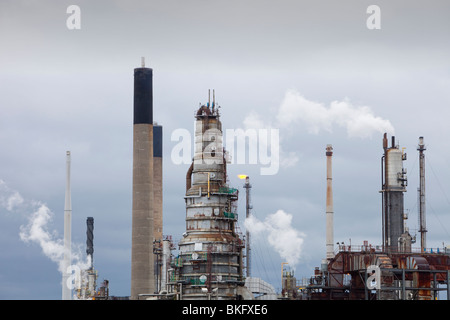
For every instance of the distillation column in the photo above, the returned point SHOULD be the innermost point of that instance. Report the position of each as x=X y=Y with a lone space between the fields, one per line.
x=393 y=186
x=210 y=252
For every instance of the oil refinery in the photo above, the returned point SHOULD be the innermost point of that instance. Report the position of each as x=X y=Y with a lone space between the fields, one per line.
x=213 y=258
x=394 y=269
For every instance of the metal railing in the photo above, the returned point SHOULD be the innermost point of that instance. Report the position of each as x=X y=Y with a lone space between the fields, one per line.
x=379 y=249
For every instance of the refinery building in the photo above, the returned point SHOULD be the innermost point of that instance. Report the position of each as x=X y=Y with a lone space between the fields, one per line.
x=212 y=261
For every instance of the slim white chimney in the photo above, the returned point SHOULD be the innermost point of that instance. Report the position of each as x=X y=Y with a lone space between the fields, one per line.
x=329 y=208
x=66 y=289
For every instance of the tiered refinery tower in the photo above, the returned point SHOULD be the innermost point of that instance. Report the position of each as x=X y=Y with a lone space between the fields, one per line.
x=210 y=252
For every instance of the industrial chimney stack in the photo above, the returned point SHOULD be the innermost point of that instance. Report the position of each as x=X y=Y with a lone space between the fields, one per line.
x=142 y=258
x=423 y=225
x=248 y=207
x=90 y=240
x=66 y=291
x=329 y=207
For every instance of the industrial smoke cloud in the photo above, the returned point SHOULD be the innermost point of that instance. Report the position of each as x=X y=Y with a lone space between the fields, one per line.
x=359 y=121
x=9 y=199
x=36 y=231
x=295 y=111
x=53 y=247
x=37 y=228
x=285 y=239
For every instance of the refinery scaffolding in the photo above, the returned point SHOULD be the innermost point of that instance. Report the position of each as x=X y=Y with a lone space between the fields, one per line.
x=210 y=261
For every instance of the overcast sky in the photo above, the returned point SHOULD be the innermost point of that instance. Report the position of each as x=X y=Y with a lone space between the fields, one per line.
x=311 y=69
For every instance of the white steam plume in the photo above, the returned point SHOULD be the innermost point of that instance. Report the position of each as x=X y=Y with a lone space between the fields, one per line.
x=36 y=231
x=52 y=247
x=284 y=238
x=37 y=228
x=295 y=111
x=358 y=120
x=9 y=199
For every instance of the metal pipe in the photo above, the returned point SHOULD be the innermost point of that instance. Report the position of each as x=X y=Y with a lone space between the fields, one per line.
x=189 y=177
x=366 y=291
x=423 y=228
x=329 y=205
x=403 y=284
x=434 y=287
x=385 y=143
x=90 y=240
x=248 y=186
x=448 y=284
x=383 y=205
x=165 y=261
x=66 y=291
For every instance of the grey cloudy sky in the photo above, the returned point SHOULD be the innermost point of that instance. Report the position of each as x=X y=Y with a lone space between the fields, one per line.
x=64 y=89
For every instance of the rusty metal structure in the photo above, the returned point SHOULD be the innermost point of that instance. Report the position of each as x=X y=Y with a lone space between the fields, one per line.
x=402 y=276
x=210 y=260
x=391 y=271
